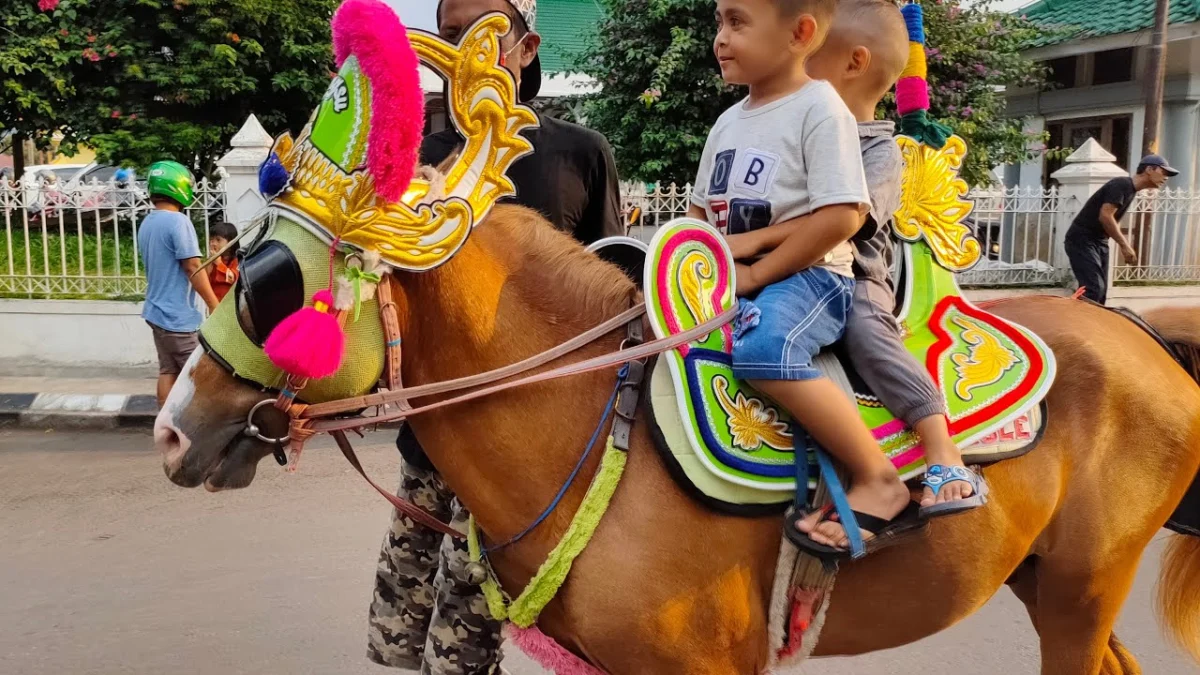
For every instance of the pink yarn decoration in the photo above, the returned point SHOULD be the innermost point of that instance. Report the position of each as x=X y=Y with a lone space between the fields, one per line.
x=912 y=94
x=547 y=653
x=310 y=343
x=371 y=31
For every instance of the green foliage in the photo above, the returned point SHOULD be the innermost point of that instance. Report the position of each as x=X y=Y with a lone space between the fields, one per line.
x=662 y=90
x=143 y=80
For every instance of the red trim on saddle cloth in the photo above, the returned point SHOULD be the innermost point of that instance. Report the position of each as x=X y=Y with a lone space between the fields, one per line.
x=945 y=341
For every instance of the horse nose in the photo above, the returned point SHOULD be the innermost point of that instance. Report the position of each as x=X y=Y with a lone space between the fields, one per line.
x=170 y=441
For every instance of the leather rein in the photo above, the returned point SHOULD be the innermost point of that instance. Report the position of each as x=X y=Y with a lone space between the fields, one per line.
x=307 y=420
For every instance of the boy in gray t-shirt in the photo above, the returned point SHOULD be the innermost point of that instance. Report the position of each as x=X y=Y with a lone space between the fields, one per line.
x=872 y=336
x=788 y=155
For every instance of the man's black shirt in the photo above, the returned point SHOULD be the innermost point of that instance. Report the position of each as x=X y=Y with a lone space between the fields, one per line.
x=1119 y=192
x=571 y=177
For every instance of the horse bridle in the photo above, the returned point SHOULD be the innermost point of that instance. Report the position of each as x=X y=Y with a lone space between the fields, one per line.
x=306 y=421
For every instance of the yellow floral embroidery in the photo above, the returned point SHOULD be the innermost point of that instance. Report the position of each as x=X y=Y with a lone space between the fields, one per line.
x=987 y=363
x=752 y=422
x=932 y=205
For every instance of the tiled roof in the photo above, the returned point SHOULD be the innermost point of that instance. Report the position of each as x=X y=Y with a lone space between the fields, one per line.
x=1075 y=19
x=564 y=26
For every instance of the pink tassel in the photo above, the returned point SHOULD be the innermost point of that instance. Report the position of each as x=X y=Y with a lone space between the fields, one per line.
x=371 y=31
x=309 y=343
x=547 y=653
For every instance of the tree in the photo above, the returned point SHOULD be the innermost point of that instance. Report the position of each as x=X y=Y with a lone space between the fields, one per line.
x=662 y=92
x=143 y=80
x=39 y=55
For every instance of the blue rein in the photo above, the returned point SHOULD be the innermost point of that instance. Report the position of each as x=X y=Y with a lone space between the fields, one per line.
x=608 y=408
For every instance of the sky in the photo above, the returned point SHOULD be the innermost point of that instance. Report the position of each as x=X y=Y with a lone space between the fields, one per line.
x=420 y=13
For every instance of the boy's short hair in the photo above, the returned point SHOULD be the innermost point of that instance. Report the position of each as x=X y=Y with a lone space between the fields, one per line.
x=225 y=231
x=822 y=10
x=879 y=26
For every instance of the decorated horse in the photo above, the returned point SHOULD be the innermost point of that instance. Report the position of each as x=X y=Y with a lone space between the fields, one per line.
x=627 y=489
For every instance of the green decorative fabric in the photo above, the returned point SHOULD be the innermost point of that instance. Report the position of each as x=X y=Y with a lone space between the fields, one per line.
x=918 y=125
x=363 y=363
x=524 y=611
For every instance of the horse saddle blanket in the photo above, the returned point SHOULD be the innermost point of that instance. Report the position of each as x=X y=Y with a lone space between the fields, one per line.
x=732 y=448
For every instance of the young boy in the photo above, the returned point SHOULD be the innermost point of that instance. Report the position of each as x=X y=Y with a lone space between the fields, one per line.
x=863 y=56
x=171 y=253
x=224 y=272
x=789 y=151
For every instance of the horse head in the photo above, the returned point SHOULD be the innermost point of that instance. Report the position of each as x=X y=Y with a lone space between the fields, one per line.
x=349 y=210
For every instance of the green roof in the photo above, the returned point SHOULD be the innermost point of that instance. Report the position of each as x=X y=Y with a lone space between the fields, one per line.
x=565 y=26
x=1078 y=19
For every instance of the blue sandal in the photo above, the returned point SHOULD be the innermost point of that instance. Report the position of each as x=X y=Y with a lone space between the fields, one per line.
x=939 y=476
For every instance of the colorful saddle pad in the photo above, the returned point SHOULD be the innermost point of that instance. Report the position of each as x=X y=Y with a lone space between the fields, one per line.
x=735 y=446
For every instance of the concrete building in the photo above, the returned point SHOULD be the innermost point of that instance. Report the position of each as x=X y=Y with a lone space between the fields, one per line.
x=1097 y=55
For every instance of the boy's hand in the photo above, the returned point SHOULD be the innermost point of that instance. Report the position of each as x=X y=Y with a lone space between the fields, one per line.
x=742 y=246
x=747 y=280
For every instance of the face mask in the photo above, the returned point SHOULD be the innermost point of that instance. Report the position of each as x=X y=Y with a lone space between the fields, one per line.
x=504 y=56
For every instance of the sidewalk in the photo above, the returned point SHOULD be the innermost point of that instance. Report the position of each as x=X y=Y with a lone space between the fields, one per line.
x=77 y=402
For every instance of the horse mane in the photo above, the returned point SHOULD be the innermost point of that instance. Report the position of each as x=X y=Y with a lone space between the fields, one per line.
x=554 y=269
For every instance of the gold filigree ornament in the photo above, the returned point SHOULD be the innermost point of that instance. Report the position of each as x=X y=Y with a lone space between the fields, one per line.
x=932 y=204
x=330 y=184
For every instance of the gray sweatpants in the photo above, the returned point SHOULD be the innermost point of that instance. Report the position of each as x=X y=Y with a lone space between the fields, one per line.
x=877 y=352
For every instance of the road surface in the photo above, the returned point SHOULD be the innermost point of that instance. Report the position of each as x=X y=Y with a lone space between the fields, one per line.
x=106 y=569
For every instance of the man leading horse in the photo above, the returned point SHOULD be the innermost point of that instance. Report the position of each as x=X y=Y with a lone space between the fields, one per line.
x=423 y=614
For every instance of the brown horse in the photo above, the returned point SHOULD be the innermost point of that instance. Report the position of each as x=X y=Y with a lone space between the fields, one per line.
x=667 y=586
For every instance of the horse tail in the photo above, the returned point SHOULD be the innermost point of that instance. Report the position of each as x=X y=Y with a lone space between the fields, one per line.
x=1179 y=580
x=1178 y=584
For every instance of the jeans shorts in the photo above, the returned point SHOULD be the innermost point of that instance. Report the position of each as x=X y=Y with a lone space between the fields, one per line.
x=780 y=332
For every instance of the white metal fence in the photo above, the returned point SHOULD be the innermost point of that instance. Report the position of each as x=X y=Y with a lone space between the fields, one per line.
x=1017 y=229
x=1021 y=232
x=1164 y=229
x=80 y=239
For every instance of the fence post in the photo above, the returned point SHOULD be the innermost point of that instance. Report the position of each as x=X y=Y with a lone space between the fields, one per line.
x=1085 y=172
x=250 y=147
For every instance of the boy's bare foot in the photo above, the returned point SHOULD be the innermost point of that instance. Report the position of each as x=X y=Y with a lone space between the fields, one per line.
x=884 y=498
x=940 y=449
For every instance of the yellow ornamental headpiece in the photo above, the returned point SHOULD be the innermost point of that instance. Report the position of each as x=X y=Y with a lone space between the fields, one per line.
x=353 y=171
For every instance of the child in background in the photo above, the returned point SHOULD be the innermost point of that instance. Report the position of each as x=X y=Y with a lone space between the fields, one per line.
x=224 y=272
x=862 y=58
x=783 y=170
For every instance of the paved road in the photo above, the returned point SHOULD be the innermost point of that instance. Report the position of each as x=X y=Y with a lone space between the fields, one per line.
x=106 y=568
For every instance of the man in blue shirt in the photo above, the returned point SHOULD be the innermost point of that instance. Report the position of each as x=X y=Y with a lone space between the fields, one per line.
x=171 y=253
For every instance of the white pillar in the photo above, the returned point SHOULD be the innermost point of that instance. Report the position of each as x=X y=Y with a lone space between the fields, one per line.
x=250 y=147
x=1085 y=172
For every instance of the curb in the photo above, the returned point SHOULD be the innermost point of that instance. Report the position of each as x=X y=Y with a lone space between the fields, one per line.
x=78 y=411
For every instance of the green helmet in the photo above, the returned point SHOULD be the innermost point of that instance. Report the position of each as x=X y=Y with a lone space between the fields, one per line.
x=171 y=180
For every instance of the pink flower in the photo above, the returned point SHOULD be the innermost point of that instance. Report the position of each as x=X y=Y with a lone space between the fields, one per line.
x=133 y=116
x=91 y=39
x=64 y=32
x=116 y=114
x=91 y=54
x=47 y=5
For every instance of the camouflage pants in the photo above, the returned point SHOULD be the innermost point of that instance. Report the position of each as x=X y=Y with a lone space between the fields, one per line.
x=423 y=616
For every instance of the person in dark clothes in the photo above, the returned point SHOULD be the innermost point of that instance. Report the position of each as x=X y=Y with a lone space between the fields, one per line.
x=1099 y=220
x=424 y=614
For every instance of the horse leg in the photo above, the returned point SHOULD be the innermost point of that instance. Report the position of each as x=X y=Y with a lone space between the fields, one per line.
x=1024 y=584
x=1075 y=613
x=1118 y=660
